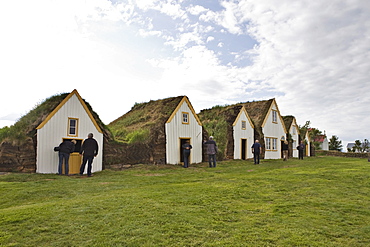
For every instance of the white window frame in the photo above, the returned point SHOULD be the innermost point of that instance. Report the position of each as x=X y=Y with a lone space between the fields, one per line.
x=274 y=116
x=75 y=128
x=244 y=125
x=271 y=144
x=185 y=117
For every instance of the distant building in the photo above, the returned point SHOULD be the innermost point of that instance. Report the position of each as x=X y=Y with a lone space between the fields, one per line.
x=323 y=141
x=350 y=146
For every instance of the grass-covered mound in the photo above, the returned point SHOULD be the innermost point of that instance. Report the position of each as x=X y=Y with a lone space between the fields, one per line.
x=144 y=121
x=218 y=121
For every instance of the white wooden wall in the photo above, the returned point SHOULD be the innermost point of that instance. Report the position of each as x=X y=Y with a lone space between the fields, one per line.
x=274 y=130
x=176 y=130
x=240 y=134
x=53 y=132
x=294 y=132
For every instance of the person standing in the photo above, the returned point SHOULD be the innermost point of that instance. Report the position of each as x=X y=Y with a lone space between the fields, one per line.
x=186 y=152
x=211 y=151
x=65 y=149
x=256 y=150
x=89 y=150
x=285 y=150
x=300 y=150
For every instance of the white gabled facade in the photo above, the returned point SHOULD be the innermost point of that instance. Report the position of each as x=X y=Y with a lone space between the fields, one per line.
x=56 y=127
x=243 y=131
x=274 y=132
x=308 y=144
x=183 y=124
x=294 y=133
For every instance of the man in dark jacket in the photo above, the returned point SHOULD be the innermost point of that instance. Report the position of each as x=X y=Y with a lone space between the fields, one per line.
x=256 y=150
x=300 y=148
x=186 y=152
x=65 y=149
x=89 y=150
x=211 y=151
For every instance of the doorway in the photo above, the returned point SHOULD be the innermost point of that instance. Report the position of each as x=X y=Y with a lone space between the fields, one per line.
x=182 y=142
x=281 y=149
x=244 y=149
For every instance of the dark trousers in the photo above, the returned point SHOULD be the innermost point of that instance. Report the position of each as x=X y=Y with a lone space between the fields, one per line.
x=65 y=157
x=89 y=159
x=300 y=154
x=186 y=158
x=256 y=157
x=212 y=159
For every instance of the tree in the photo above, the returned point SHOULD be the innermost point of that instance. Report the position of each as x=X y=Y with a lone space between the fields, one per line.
x=361 y=146
x=335 y=143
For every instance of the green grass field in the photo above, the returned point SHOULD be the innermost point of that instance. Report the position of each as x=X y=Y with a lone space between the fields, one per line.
x=321 y=201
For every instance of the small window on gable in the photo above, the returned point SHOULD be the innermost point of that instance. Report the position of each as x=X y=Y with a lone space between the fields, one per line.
x=274 y=116
x=185 y=118
x=244 y=125
x=72 y=126
x=294 y=129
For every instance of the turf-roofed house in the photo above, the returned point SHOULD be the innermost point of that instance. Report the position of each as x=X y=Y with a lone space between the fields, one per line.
x=269 y=127
x=232 y=130
x=154 y=132
x=292 y=135
x=28 y=145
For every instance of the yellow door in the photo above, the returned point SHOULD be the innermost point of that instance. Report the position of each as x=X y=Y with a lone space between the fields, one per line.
x=74 y=163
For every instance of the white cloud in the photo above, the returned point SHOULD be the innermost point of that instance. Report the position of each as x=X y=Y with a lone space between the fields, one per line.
x=196 y=10
x=313 y=56
x=210 y=38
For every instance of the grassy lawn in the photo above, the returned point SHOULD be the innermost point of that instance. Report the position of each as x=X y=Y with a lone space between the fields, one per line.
x=321 y=201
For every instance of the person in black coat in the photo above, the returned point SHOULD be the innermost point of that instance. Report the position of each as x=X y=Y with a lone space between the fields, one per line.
x=300 y=148
x=186 y=151
x=256 y=150
x=65 y=149
x=89 y=150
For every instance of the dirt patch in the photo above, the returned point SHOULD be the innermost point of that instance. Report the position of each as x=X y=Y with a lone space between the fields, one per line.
x=103 y=183
x=151 y=175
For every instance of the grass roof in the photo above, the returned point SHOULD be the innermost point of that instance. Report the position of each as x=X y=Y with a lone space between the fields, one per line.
x=217 y=122
x=140 y=123
x=25 y=127
x=288 y=120
x=257 y=110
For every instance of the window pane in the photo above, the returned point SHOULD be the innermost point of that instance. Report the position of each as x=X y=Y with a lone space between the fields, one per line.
x=185 y=118
x=72 y=127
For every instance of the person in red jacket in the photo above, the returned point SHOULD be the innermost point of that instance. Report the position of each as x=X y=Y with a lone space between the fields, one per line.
x=89 y=150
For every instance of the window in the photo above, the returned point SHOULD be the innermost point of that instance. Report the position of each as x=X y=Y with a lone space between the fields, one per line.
x=268 y=143
x=185 y=118
x=72 y=126
x=274 y=144
x=244 y=125
x=271 y=144
x=294 y=129
x=274 y=116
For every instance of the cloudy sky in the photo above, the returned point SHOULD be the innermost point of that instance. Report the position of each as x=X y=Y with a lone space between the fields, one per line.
x=313 y=56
